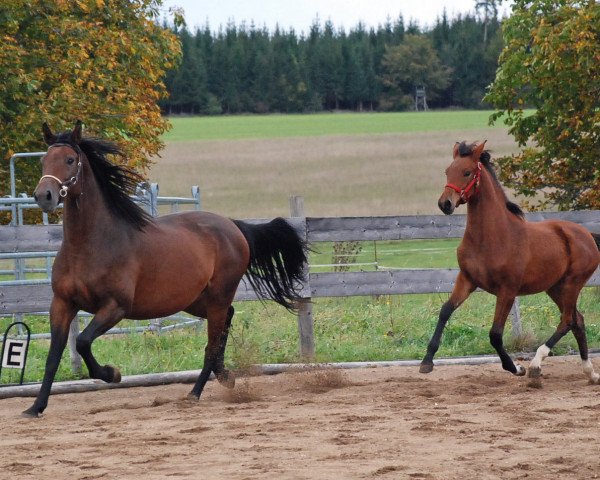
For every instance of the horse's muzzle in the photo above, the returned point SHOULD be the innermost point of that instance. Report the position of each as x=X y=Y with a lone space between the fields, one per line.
x=46 y=198
x=446 y=206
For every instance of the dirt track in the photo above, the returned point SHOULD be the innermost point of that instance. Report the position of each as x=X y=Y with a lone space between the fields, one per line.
x=459 y=422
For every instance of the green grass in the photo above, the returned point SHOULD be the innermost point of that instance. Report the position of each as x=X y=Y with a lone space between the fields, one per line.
x=346 y=329
x=306 y=125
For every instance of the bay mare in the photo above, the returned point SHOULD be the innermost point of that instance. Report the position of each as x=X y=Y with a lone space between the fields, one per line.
x=116 y=261
x=507 y=256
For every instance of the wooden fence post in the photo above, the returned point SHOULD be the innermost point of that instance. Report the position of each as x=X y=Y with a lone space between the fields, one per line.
x=305 y=318
x=515 y=321
x=75 y=357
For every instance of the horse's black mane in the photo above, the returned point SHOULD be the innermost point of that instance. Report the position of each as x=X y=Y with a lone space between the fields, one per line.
x=116 y=182
x=485 y=158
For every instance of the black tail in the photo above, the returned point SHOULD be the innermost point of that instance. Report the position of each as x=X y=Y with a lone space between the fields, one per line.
x=597 y=239
x=277 y=259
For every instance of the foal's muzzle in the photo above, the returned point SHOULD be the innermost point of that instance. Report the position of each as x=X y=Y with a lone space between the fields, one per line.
x=446 y=206
x=448 y=201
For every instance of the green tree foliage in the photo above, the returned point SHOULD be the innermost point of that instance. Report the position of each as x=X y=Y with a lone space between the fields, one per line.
x=551 y=62
x=248 y=69
x=101 y=61
x=413 y=63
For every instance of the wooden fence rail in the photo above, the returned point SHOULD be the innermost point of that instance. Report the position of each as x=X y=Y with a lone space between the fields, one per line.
x=36 y=298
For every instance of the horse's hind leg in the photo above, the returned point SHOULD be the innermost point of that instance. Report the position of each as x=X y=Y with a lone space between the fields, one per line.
x=566 y=302
x=218 y=318
x=578 y=329
x=224 y=376
x=104 y=320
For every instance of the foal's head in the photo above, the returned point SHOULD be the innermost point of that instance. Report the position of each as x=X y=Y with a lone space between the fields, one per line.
x=61 y=168
x=462 y=176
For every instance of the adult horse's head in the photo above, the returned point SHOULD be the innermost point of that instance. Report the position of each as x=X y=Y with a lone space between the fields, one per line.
x=61 y=168
x=462 y=176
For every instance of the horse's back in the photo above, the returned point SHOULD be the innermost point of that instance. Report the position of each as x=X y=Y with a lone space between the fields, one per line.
x=571 y=237
x=564 y=247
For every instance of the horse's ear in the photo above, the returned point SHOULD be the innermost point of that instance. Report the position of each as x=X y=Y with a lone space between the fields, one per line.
x=49 y=137
x=478 y=151
x=76 y=133
x=455 y=150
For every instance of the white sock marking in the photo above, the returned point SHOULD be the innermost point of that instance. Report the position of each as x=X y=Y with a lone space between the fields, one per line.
x=542 y=352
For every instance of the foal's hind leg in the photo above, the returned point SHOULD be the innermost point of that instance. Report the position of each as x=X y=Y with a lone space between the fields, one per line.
x=578 y=329
x=566 y=300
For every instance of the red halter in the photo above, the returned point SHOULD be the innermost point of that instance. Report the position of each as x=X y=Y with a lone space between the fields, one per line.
x=474 y=183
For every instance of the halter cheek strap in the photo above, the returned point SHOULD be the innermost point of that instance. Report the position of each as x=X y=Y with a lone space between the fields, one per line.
x=64 y=185
x=473 y=184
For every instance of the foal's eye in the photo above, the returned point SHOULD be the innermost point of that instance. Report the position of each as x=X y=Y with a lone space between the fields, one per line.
x=467 y=174
x=70 y=161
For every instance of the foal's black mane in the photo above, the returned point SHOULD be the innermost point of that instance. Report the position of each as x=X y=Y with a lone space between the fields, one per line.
x=465 y=150
x=116 y=182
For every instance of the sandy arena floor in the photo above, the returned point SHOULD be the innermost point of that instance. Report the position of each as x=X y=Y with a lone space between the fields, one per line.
x=460 y=422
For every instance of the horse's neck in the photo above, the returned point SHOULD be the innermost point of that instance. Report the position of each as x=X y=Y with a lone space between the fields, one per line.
x=87 y=218
x=487 y=215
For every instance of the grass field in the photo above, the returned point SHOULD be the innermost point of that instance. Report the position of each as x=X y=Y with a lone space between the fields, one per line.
x=343 y=164
x=236 y=127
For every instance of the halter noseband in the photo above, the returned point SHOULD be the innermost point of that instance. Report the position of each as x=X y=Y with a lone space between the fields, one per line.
x=64 y=185
x=474 y=183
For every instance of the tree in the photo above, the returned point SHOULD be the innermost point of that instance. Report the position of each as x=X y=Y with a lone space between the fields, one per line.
x=490 y=11
x=551 y=62
x=411 y=64
x=101 y=61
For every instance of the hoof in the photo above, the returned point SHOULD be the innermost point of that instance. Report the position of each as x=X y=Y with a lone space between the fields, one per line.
x=31 y=412
x=193 y=397
x=426 y=368
x=116 y=374
x=534 y=372
x=594 y=380
x=520 y=371
x=227 y=379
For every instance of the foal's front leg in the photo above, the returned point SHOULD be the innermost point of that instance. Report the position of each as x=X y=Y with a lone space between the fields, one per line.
x=463 y=287
x=504 y=303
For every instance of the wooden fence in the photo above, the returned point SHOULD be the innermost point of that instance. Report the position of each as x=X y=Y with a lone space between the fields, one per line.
x=27 y=298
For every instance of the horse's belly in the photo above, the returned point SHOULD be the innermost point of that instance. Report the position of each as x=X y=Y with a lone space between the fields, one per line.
x=522 y=281
x=163 y=295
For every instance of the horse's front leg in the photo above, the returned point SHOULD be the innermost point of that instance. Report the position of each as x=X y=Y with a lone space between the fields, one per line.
x=463 y=287
x=106 y=318
x=504 y=303
x=61 y=316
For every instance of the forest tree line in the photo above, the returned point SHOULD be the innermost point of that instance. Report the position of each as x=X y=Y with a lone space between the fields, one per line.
x=242 y=68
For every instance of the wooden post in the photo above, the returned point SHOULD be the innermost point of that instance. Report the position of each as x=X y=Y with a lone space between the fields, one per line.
x=305 y=318
x=75 y=357
x=515 y=314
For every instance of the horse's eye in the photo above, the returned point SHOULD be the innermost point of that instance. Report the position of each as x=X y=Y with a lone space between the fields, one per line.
x=70 y=161
x=467 y=174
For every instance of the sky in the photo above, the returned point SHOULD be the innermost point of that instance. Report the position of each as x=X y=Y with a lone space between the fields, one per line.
x=300 y=14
